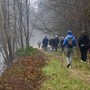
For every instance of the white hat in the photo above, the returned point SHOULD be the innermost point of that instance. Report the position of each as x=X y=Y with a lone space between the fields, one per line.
x=56 y=36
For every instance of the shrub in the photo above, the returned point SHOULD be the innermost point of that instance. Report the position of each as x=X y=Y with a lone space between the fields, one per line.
x=28 y=50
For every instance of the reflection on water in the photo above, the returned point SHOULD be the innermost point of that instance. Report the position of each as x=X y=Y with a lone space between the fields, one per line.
x=36 y=36
x=1 y=64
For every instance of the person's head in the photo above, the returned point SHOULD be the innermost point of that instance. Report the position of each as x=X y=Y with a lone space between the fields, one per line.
x=69 y=32
x=45 y=36
x=83 y=32
x=51 y=37
x=62 y=37
x=56 y=36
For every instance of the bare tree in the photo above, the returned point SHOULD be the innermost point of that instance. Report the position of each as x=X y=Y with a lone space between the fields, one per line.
x=18 y=19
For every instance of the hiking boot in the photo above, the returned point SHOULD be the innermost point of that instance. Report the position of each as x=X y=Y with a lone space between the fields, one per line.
x=84 y=61
x=81 y=60
x=68 y=65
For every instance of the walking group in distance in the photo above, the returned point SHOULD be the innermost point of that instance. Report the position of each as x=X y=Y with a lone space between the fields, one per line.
x=68 y=44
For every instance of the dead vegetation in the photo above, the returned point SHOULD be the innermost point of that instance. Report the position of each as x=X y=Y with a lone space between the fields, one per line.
x=25 y=73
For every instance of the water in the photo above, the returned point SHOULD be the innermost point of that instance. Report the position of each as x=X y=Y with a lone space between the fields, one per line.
x=1 y=64
x=36 y=36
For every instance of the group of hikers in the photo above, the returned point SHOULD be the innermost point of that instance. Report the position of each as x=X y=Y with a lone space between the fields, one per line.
x=68 y=43
x=53 y=42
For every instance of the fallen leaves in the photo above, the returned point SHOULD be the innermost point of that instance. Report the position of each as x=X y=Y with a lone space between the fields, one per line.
x=25 y=73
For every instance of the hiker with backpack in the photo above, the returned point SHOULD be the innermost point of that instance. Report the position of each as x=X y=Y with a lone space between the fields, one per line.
x=83 y=43
x=69 y=43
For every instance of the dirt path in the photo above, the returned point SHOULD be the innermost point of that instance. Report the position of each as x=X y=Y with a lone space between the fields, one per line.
x=83 y=75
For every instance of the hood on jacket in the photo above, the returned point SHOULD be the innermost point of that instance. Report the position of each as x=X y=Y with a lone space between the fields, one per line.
x=69 y=32
x=70 y=35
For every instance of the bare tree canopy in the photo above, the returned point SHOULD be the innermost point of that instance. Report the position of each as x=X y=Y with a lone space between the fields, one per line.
x=18 y=19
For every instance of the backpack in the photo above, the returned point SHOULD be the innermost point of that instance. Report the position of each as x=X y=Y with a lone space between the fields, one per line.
x=70 y=42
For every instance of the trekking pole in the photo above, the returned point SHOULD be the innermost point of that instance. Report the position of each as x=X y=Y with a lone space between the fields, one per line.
x=62 y=57
x=75 y=56
x=89 y=56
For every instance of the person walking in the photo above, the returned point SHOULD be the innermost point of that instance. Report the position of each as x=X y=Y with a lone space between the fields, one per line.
x=55 y=43
x=83 y=42
x=69 y=43
x=61 y=43
x=51 y=43
x=39 y=44
x=45 y=43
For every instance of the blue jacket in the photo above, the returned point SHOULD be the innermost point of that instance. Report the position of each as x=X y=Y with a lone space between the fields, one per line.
x=70 y=35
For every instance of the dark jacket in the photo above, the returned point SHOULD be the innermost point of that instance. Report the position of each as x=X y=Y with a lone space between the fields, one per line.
x=51 y=42
x=56 y=41
x=62 y=42
x=45 y=41
x=83 y=41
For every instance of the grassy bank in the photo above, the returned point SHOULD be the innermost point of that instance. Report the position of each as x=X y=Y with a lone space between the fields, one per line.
x=59 y=77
